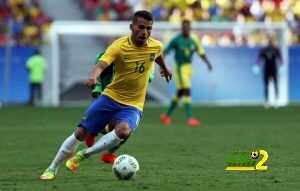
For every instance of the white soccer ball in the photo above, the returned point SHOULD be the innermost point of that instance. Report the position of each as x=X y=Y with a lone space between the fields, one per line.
x=125 y=167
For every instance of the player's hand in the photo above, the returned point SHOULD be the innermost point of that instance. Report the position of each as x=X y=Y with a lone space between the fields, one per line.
x=91 y=82
x=97 y=90
x=95 y=94
x=209 y=67
x=165 y=72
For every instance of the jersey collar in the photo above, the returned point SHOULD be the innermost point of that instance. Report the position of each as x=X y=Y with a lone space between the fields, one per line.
x=131 y=43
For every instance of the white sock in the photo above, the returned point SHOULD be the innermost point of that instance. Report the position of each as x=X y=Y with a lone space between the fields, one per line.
x=68 y=147
x=105 y=142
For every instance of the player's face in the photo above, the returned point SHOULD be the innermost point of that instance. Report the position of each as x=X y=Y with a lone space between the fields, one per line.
x=186 y=28
x=141 y=31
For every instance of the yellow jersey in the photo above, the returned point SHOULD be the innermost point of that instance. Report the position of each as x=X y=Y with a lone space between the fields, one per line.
x=132 y=68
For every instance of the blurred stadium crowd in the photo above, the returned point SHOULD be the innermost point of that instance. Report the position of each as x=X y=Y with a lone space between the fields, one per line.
x=240 y=11
x=26 y=19
x=30 y=21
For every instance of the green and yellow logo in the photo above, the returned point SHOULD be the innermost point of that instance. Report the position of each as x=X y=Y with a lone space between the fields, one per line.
x=247 y=161
x=152 y=57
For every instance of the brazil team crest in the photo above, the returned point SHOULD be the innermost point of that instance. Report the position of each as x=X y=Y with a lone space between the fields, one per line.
x=152 y=57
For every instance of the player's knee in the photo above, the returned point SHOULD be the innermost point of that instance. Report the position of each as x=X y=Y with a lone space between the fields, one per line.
x=186 y=92
x=180 y=93
x=80 y=133
x=123 y=130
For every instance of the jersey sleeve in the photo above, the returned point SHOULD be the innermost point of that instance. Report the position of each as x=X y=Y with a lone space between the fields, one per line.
x=111 y=53
x=199 y=48
x=160 y=50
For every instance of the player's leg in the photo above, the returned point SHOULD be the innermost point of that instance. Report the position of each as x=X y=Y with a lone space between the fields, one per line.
x=39 y=93
x=106 y=142
x=31 y=99
x=186 y=73
x=274 y=76
x=166 y=117
x=90 y=139
x=35 y=94
x=266 y=87
x=109 y=156
x=126 y=119
x=187 y=103
x=65 y=151
x=110 y=140
x=174 y=102
x=90 y=123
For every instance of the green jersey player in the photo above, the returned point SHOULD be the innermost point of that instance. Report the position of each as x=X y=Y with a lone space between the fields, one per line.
x=184 y=46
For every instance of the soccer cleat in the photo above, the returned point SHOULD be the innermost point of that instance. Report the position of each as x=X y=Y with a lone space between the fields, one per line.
x=165 y=119
x=193 y=122
x=73 y=163
x=108 y=158
x=48 y=174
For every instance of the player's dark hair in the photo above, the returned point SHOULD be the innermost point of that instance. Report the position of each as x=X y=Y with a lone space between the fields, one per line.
x=186 y=21
x=142 y=14
x=36 y=52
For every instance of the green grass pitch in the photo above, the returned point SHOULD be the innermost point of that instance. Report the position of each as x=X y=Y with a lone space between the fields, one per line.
x=171 y=158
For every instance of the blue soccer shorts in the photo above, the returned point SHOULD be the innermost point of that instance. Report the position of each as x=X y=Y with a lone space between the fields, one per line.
x=105 y=110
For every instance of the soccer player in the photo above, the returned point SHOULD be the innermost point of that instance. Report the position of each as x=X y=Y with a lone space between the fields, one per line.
x=36 y=66
x=121 y=103
x=103 y=80
x=184 y=46
x=270 y=56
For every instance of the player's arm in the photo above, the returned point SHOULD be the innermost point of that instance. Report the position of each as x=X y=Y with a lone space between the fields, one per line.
x=201 y=52
x=106 y=59
x=97 y=90
x=96 y=71
x=279 y=57
x=206 y=61
x=164 y=71
x=260 y=56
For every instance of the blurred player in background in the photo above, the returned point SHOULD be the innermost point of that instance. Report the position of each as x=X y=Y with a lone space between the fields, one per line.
x=184 y=45
x=270 y=57
x=36 y=65
x=121 y=103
